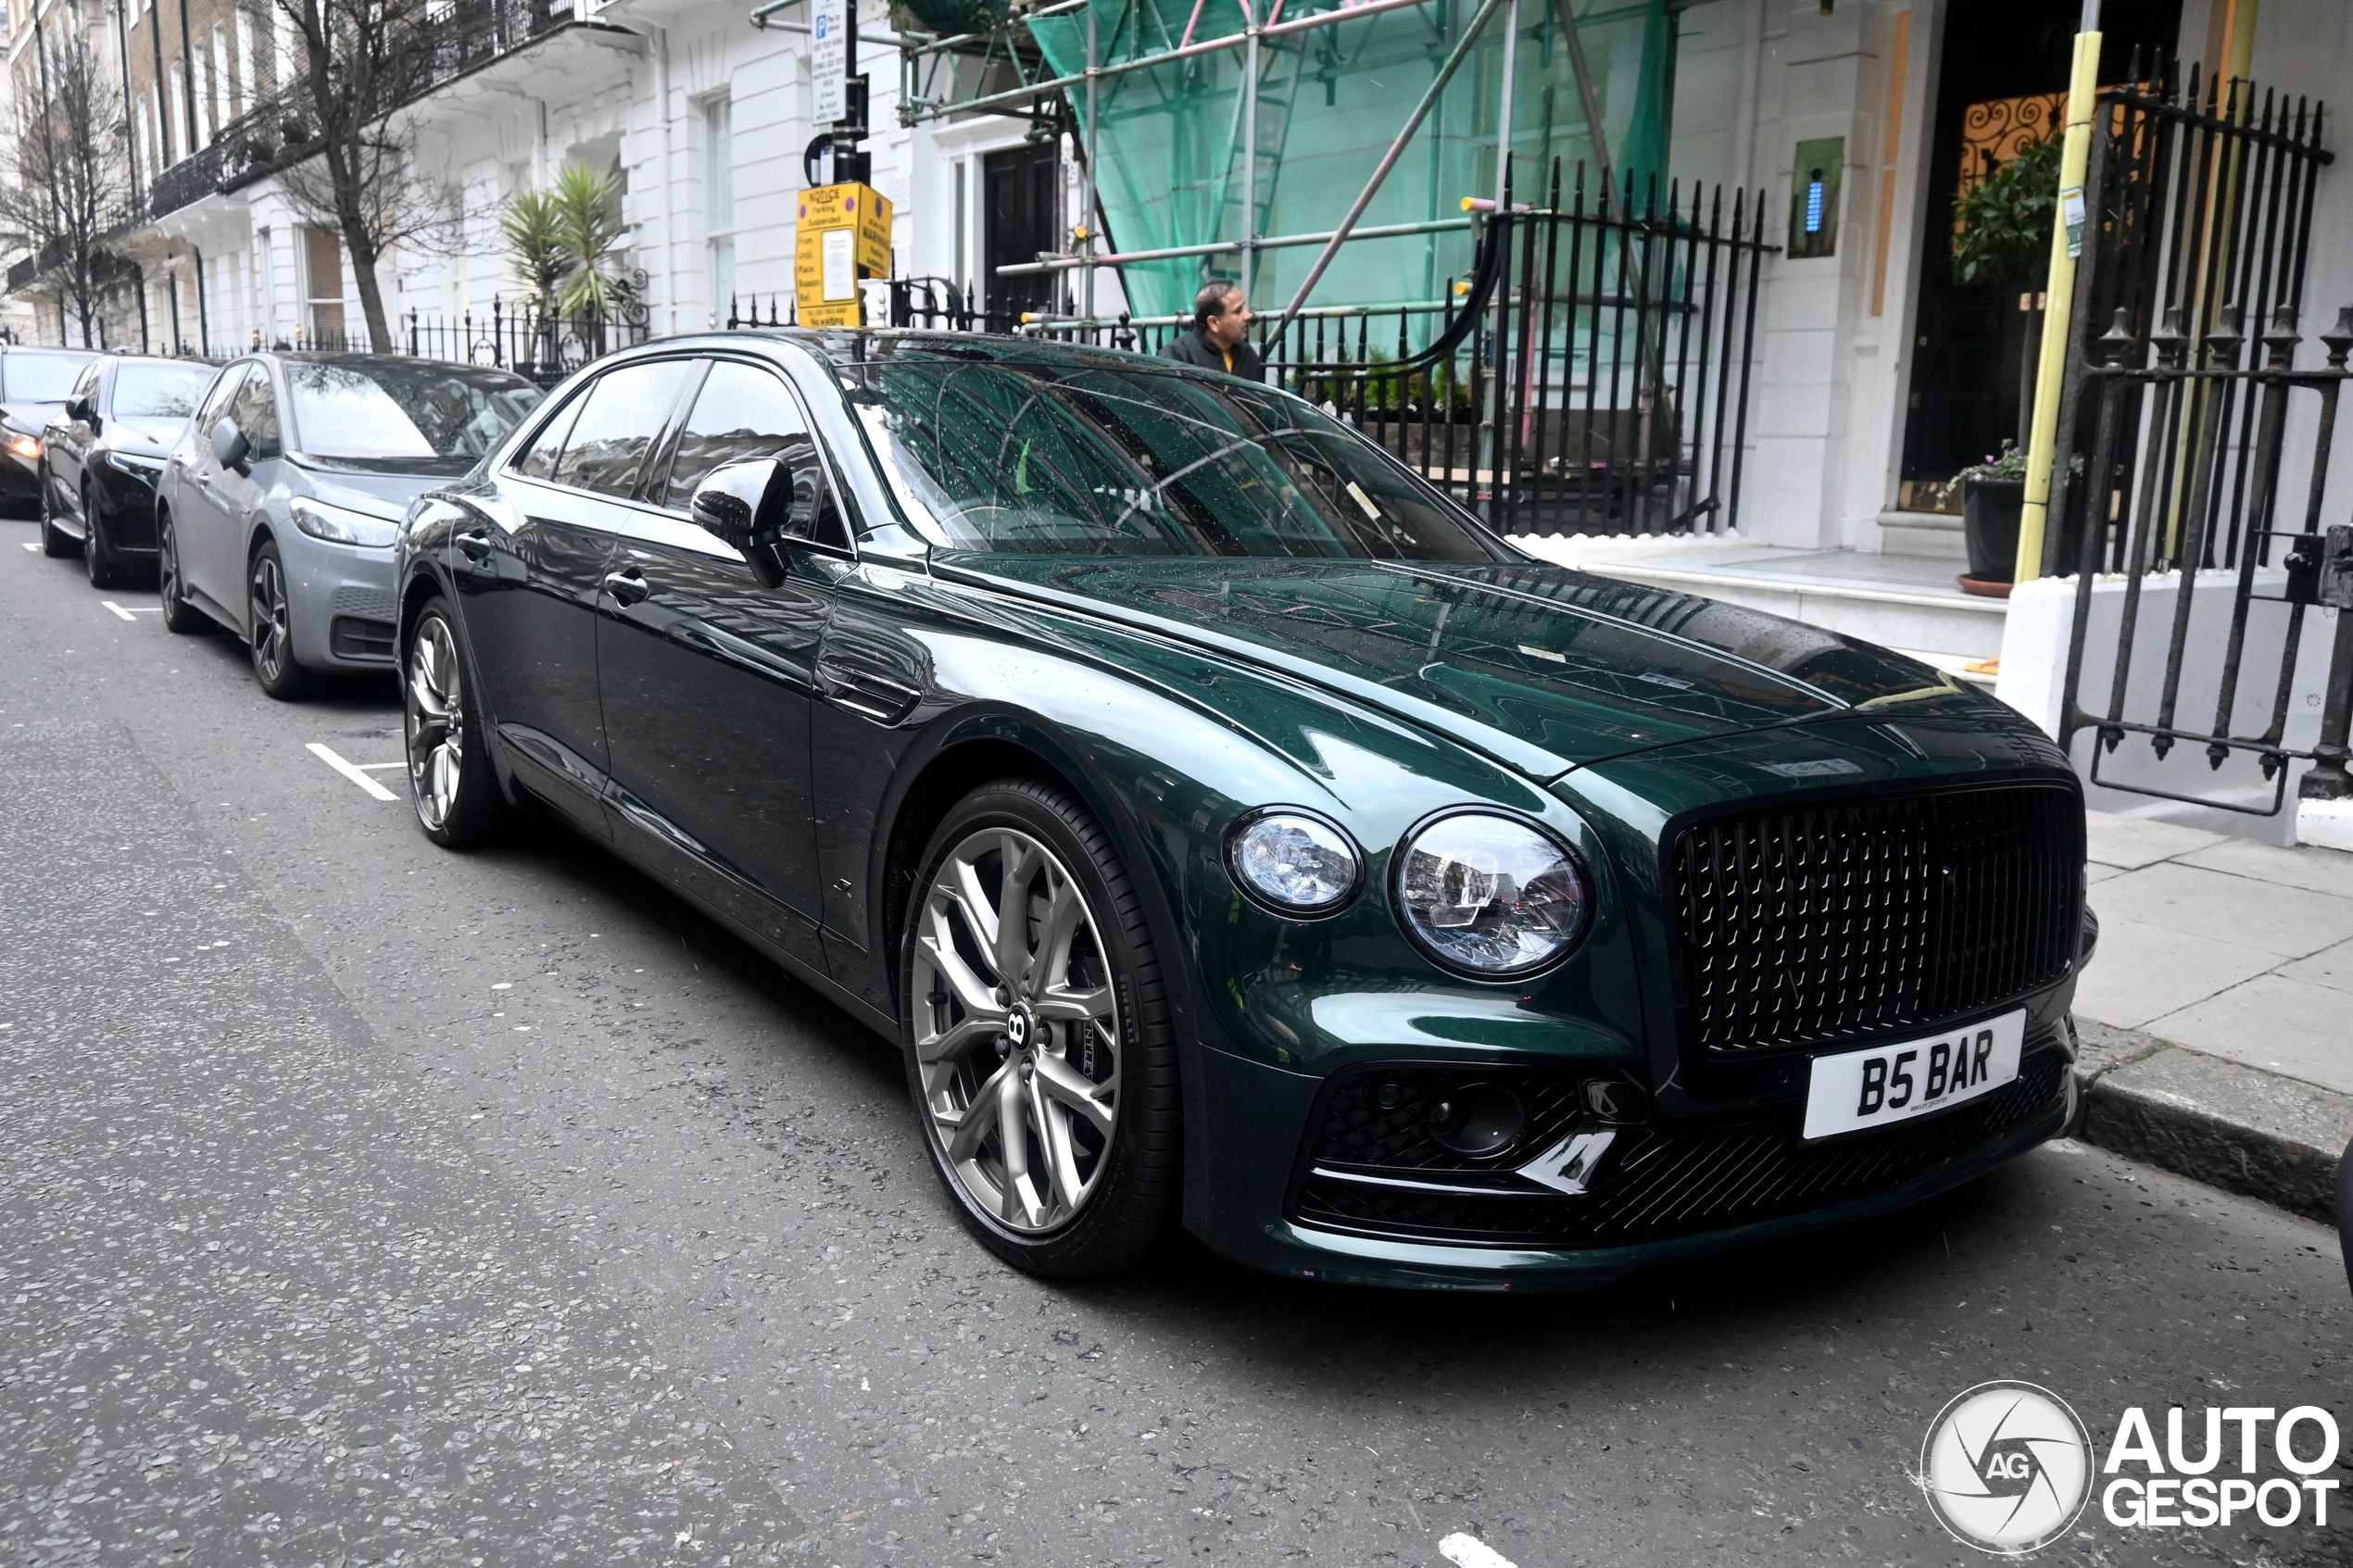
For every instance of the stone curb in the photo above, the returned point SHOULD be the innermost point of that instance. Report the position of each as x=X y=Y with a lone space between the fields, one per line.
x=2214 y=1121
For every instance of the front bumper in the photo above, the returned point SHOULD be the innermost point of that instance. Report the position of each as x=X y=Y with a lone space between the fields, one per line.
x=1672 y=1188
x=339 y=602
x=19 y=478
x=127 y=504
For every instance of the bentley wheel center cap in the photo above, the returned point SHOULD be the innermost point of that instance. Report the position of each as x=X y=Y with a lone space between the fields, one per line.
x=1021 y=1028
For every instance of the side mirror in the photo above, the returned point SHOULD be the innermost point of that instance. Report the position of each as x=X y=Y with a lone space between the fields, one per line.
x=80 y=413
x=747 y=505
x=229 y=445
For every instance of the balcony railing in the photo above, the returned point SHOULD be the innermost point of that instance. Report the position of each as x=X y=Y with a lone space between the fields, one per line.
x=462 y=36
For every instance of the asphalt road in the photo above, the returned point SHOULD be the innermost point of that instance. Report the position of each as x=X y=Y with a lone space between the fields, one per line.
x=361 y=1202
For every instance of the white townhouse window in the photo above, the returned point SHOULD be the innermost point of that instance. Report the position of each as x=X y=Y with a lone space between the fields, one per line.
x=180 y=110
x=245 y=90
x=217 y=74
x=719 y=185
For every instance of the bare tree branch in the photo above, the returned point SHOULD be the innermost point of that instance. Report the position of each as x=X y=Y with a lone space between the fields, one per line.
x=65 y=177
x=357 y=62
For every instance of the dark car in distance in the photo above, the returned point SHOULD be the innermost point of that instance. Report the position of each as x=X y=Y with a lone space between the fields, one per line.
x=1232 y=833
x=103 y=455
x=34 y=384
x=282 y=501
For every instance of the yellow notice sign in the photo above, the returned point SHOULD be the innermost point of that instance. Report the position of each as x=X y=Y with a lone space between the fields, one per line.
x=842 y=233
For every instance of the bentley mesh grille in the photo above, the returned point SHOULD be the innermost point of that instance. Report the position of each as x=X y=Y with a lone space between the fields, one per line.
x=1809 y=924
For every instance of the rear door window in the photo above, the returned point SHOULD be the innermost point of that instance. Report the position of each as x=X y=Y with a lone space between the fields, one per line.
x=618 y=423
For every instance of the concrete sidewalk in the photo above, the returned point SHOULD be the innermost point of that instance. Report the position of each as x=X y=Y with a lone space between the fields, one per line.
x=2217 y=1017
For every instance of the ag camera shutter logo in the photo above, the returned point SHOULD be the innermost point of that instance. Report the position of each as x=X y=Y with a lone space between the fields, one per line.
x=2007 y=1468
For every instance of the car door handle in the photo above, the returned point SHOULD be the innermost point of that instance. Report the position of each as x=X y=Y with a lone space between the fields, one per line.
x=626 y=587
x=476 y=543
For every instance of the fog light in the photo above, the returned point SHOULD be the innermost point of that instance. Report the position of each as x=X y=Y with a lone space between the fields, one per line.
x=1477 y=1119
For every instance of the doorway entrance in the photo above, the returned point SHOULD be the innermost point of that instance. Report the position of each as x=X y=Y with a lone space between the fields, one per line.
x=1019 y=218
x=2002 y=89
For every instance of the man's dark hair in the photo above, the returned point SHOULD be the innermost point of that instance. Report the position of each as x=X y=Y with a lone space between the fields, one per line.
x=1212 y=299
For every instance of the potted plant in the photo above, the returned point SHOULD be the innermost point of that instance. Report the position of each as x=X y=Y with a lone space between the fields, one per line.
x=1992 y=501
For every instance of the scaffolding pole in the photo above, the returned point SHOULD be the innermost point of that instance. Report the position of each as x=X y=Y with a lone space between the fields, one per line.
x=1249 y=150
x=1389 y=160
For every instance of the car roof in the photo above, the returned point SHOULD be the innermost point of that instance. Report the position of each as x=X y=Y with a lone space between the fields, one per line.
x=847 y=348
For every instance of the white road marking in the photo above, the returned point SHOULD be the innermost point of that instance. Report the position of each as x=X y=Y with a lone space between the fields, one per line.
x=134 y=612
x=1470 y=1551
x=379 y=767
x=327 y=754
x=30 y=544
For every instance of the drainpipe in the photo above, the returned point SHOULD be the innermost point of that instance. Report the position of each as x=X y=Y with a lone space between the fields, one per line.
x=179 y=343
x=163 y=121
x=669 y=219
x=2075 y=157
x=141 y=290
x=130 y=131
x=204 y=333
x=188 y=91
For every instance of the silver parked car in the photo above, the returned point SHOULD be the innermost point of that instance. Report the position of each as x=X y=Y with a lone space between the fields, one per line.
x=279 y=505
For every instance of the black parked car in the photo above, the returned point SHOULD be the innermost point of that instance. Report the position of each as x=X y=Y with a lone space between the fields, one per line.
x=34 y=384
x=104 y=453
x=1229 y=829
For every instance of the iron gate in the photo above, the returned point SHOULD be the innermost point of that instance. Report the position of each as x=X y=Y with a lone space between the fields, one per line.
x=2184 y=418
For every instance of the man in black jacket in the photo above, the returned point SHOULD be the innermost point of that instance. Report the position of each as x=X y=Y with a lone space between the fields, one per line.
x=1220 y=338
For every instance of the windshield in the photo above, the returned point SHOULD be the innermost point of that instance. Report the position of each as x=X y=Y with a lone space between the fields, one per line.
x=39 y=377
x=158 y=392
x=1093 y=455
x=396 y=408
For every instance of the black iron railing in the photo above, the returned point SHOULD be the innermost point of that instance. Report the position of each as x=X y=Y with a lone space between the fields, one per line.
x=2190 y=420
x=1590 y=375
x=280 y=129
x=545 y=348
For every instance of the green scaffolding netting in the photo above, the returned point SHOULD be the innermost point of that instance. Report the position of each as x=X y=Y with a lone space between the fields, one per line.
x=1171 y=138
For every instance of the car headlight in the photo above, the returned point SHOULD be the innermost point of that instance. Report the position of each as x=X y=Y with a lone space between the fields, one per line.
x=1490 y=895
x=1292 y=862
x=137 y=465
x=343 y=526
x=24 y=445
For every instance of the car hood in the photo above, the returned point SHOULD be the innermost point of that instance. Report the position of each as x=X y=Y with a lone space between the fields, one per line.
x=378 y=495
x=142 y=435
x=30 y=417
x=1541 y=668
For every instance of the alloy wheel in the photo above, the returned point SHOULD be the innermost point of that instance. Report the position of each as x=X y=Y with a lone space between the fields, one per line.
x=436 y=723
x=1018 y=1034
x=269 y=637
x=167 y=565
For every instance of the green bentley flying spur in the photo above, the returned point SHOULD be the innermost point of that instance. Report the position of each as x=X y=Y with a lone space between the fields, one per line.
x=1235 y=835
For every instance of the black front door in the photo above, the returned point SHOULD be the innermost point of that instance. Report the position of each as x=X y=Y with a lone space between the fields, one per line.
x=1019 y=222
x=708 y=665
x=1999 y=89
x=531 y=569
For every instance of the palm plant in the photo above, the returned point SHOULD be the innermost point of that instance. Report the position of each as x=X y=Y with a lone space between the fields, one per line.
x=532 y=227
x=589 y=230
